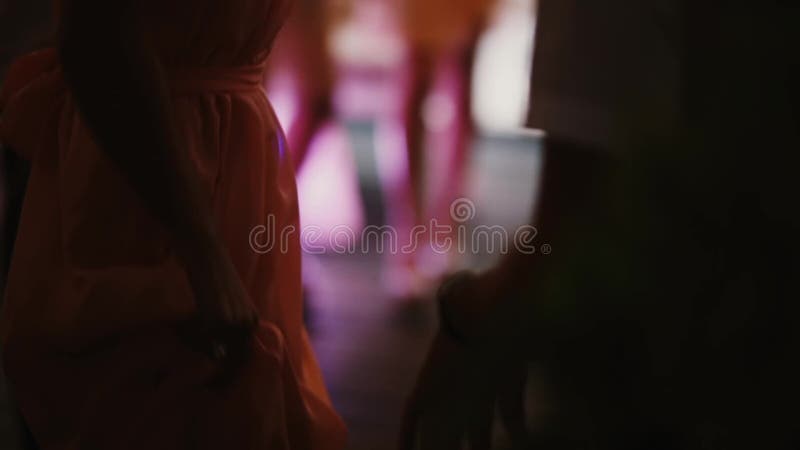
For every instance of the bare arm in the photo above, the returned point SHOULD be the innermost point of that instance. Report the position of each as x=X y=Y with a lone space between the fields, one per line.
x=120 y=89
x=121 y=92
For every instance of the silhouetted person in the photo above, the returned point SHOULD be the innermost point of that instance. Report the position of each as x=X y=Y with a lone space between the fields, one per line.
x=666 y=316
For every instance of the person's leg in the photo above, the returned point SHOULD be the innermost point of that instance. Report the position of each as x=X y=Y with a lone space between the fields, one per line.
x=302 y=77
x=416 y=87
x=451 y=131
x=459 y=132
x=314 y=110
x=400 y=154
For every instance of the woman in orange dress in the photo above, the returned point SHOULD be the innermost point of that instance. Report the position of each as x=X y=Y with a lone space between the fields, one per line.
x=138 y=312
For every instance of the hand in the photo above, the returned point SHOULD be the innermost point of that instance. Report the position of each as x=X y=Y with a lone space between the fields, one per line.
x=454 y=400
x=455 y=397
x=226 y=316
x=470 y=299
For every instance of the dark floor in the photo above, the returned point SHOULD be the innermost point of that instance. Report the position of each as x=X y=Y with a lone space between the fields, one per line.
x=369 y=346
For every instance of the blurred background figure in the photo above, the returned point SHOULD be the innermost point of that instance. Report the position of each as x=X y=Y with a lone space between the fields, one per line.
x=301 y=82
x=302 y=74
x=423 y=145
x=379 y=101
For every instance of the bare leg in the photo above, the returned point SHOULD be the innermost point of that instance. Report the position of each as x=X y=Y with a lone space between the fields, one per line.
x=304 y=72
x=458 y=68
x=400 y=141
x=416 y=87
x=314 y=111
x=449 y=152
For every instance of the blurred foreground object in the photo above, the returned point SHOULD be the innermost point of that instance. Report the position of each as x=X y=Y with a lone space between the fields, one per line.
x=657 y=322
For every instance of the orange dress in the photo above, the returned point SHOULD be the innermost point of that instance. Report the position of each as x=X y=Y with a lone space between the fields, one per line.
x=90 y=329
x=442 y=25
